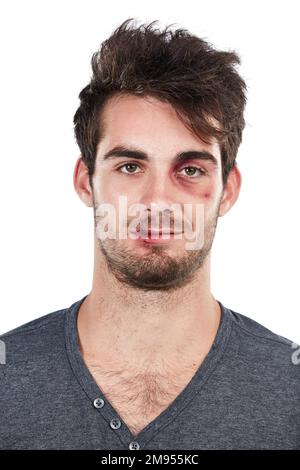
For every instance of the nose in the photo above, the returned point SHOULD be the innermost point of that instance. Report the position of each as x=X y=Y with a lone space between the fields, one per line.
x=158 y=197
x=158 y=190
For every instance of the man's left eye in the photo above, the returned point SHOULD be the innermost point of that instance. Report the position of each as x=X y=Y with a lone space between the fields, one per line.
x=194 y=170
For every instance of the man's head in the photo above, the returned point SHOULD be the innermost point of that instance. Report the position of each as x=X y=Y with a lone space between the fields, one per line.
x=161 y=121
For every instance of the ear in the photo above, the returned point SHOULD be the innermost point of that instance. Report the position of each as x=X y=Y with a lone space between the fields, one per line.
x=81 y=183
x=231 y=190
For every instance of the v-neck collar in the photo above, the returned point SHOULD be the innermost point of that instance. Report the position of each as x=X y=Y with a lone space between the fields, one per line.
x=108 y=412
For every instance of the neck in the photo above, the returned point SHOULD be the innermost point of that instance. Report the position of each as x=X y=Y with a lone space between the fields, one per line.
x=119 y=325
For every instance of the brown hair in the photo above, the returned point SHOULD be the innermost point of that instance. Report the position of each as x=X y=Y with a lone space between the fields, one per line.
x=177 y=67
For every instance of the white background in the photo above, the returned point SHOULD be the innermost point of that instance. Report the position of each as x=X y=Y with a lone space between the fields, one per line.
x=47 y=233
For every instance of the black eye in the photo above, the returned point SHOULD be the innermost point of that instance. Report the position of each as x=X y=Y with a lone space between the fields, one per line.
x=191 y=171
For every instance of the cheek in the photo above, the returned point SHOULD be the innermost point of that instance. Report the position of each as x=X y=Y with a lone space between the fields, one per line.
x=103 y=187
x=208 y=198
x=209 y=192
x=207 y=195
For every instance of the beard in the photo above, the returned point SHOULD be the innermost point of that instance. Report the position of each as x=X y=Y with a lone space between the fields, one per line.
x=156 y=270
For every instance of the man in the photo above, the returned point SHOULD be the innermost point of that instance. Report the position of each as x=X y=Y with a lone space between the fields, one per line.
x=149 y=359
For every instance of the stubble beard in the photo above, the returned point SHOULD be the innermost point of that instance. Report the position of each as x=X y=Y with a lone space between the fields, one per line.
x=156 y=270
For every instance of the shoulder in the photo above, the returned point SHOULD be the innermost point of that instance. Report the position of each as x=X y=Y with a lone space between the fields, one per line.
x=253 y=329
x=32 y=340
x=263 y=351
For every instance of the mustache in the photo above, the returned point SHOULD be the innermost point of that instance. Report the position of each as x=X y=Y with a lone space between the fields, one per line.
x=157 y=220
x=160 y=223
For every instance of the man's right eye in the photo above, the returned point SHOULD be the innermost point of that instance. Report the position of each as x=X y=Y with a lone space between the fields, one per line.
x=129 y=166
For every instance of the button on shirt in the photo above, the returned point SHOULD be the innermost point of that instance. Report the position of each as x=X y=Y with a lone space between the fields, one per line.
x=244 y=395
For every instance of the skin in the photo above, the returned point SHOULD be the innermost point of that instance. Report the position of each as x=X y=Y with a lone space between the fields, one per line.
x=150 y=321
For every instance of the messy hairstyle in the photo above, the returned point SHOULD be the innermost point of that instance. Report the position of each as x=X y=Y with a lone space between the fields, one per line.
x=200 y=82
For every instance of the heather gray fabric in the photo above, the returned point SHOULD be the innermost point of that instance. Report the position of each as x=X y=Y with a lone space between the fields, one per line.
x=245 y=395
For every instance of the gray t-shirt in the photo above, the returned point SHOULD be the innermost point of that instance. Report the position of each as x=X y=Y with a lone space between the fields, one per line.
x=244 y=395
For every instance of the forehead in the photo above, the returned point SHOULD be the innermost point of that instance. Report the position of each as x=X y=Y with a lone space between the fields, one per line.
x=148 y=123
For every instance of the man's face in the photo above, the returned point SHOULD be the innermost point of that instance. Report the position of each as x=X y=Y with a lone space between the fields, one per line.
x=149 y=126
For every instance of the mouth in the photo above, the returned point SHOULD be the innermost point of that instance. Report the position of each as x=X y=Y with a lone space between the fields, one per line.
x=164 y=235
x=161 y=236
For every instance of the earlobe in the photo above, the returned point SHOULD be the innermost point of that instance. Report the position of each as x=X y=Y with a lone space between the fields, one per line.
x=231 y=191
x=81 y=183
x=224 y=206
x=86 y=199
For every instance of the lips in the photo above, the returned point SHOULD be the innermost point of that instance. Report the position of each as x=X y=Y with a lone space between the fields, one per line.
x=144 y=231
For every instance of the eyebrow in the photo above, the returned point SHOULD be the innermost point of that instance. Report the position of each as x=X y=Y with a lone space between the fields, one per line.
x=121 y=151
